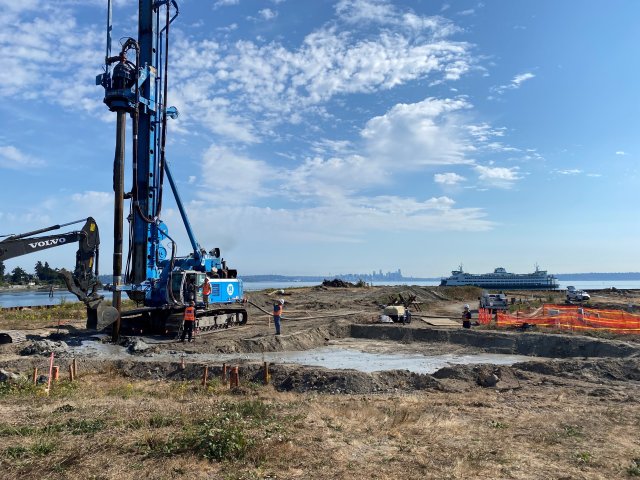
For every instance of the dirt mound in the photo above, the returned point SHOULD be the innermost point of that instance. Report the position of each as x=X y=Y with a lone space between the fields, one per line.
x=349 y=381
x=482 y=375
x=288 y=378
x=595 y=370
x=45 y=347
x=337 y=283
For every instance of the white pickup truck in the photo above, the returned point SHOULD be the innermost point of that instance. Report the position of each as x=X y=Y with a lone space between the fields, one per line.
x=494 y=301
x=574 y=295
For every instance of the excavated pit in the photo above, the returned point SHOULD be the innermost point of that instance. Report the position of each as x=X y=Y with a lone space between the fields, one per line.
x=352 y=358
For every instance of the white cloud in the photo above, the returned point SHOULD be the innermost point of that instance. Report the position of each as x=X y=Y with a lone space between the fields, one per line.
x=225 y=3
x=520 y=79
x=12 y=7
x=515 y=83
x=49 y=56
x=407 y=138
x=52 y=56
x=576 y=171
x=228 y=177
x=620 y=152
x=501 y=177
x=229 y=28
x=324 y=146
x=332 y=177
x=267 y=14
x=337 y=220
x=418 y=134
x=484 y=132
x=383 y=12
x=356 y=11
x=449 y=178
x=267 y=84
x=471 y=11
x=94 y=199
x=14 y=159
x=216 y=114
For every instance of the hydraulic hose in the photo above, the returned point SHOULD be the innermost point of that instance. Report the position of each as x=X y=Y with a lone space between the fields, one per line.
x=163 y=140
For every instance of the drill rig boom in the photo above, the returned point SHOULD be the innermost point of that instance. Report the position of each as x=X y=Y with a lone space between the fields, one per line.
x=135 y=84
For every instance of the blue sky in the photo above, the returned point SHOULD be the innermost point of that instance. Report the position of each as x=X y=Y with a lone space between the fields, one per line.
x=343 y=136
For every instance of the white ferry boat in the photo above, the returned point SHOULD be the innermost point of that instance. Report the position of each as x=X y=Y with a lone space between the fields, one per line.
x=501 y=279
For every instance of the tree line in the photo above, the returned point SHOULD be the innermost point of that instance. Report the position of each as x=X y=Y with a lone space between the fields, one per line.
x=43 y=273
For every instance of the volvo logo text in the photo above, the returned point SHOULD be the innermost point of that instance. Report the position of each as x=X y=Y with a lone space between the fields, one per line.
x=48 y=243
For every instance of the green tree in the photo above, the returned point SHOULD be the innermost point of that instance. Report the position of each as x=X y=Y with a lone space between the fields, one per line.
x=2 y=268
x=18 y=275
x=39 y=268
x=45 y=273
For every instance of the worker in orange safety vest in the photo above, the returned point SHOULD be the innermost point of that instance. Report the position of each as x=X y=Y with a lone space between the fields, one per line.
x=277 y=313
x=189 y=321
x=206 y=291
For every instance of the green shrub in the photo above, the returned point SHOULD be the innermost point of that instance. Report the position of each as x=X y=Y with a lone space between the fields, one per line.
x=16 y=452
x=42 y=448
x=20 y=388
x=634 y=469
x=222 y=438
x=255 y=409
x=574 y=431
x=18 y=430
x=81 y=427
x=39 y=449
x=159 y=421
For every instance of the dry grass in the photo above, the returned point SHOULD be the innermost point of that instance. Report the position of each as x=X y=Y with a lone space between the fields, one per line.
x=66 y=313
x=460 y=293
x=108 y=427
x=42 y=318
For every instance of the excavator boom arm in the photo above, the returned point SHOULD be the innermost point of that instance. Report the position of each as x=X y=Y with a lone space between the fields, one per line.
x=23 y=246
x=83 y=282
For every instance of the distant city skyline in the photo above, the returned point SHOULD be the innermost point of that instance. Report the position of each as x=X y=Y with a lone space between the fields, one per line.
x=325 y=137
x=379 y=275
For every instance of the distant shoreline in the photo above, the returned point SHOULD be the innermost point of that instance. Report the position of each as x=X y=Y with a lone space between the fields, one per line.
x=26 y=288
x=592 y=277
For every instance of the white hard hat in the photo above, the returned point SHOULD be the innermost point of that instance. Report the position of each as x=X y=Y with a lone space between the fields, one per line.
x=281 y=301
x=466 y=306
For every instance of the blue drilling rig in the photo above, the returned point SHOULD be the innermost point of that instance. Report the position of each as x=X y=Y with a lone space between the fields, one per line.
x=135 y=86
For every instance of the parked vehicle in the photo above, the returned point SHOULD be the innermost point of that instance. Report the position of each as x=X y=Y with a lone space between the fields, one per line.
x=493 y=301
x=397 y=313
x=574 y=295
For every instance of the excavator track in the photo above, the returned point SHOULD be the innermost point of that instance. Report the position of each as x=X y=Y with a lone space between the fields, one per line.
x=169 y=322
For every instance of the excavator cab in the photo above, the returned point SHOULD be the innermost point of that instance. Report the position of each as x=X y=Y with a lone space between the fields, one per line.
x=180 y=281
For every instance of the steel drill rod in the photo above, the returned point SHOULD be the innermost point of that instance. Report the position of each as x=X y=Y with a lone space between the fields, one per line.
x=118 y=188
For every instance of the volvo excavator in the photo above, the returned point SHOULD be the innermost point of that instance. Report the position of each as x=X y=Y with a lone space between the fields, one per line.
x=83 y=281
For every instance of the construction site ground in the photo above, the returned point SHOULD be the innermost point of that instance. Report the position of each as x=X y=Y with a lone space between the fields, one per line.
x=570 y=411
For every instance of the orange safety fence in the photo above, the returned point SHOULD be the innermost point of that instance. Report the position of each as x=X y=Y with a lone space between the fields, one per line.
x=484 y=316
x=575 y=318
x=617 y=314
